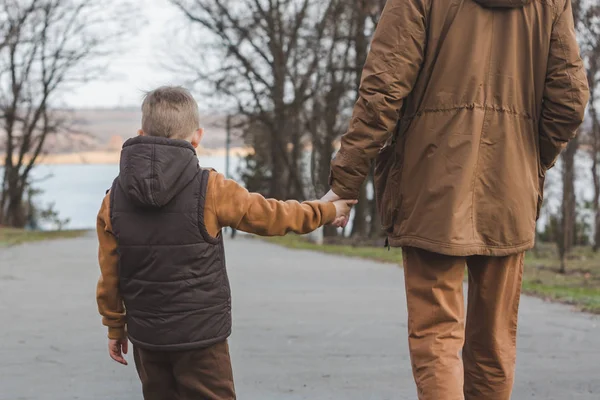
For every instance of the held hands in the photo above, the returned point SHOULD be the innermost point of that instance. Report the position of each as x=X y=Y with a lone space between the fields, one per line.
x=116 y=349
x=342 y=207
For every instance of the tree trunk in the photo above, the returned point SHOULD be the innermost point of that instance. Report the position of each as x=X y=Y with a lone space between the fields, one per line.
x=12 y=199
x=359 y=223
x=596 y=180
x=568 y=208
x=278 y=136
x=595 y=141
x=277 y=185
x=325 y=151
x=296 y=165
x=563 y=264
x=535 y=249
x=16 y=216
x=330 y=231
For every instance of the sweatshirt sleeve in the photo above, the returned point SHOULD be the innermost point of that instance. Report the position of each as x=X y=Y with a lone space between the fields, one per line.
x=231 y=205
x=391 y=70
x=566 y=91
x=110 y=303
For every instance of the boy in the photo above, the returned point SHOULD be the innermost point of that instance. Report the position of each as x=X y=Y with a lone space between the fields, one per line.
x=163 y=276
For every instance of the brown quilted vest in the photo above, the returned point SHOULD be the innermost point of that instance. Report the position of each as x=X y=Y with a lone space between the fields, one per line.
x=172 y=272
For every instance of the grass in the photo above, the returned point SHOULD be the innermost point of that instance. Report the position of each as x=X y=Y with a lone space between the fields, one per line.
x=580 y=286
x=12 y=237
x=369 y=253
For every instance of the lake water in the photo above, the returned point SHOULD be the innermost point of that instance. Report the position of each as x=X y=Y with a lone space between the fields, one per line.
x=77 y=190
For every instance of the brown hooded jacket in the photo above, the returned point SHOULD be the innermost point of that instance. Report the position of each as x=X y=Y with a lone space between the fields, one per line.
x=475 y=101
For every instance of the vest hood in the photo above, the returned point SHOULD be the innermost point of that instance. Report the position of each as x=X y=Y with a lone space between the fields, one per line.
x=153 y=170
x=503 y=3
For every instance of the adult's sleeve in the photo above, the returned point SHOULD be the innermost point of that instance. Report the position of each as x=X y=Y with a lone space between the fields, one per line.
x=391 y=70
x=566 y=92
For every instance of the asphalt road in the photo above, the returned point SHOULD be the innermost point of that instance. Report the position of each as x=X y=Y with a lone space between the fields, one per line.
x=306 y=326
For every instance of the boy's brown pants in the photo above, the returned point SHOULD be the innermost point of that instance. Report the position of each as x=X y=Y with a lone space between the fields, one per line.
x=203 y=374
x=437 y=329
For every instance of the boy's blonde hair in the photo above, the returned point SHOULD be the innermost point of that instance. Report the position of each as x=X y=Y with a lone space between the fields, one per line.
x=170 y=112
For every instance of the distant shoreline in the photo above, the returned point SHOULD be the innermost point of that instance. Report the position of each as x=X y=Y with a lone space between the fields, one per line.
x=112 y=157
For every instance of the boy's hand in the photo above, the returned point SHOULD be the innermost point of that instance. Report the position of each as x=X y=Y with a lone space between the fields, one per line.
x=343 y=208
x=116 y=349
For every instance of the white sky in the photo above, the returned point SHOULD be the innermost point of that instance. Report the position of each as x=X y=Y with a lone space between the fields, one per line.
x=137 y=67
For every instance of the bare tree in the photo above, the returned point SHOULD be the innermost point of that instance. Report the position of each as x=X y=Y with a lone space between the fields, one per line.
x=361 y=41
x=353 y=24
x=325 y=112
x=48 y=47
x=337 y=80
x=366 y=14
x=586 y=17
x=591 y=53
x=267 y=55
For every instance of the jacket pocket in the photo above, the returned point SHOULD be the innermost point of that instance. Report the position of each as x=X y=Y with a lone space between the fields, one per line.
x=387 y=185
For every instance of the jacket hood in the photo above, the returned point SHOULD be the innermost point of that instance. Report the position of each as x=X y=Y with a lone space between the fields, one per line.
x=503 y=3
x=153 y=170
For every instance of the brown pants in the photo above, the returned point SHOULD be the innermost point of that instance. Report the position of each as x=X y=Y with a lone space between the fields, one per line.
x=203 y=374
x=437 y=329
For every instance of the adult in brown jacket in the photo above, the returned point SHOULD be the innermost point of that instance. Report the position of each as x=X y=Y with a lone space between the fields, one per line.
x=465 y=104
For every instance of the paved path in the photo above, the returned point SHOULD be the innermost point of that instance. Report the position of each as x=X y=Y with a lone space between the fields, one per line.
x=307 y=326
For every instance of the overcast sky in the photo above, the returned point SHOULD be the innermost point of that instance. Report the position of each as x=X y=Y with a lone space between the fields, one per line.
x=135 y=69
